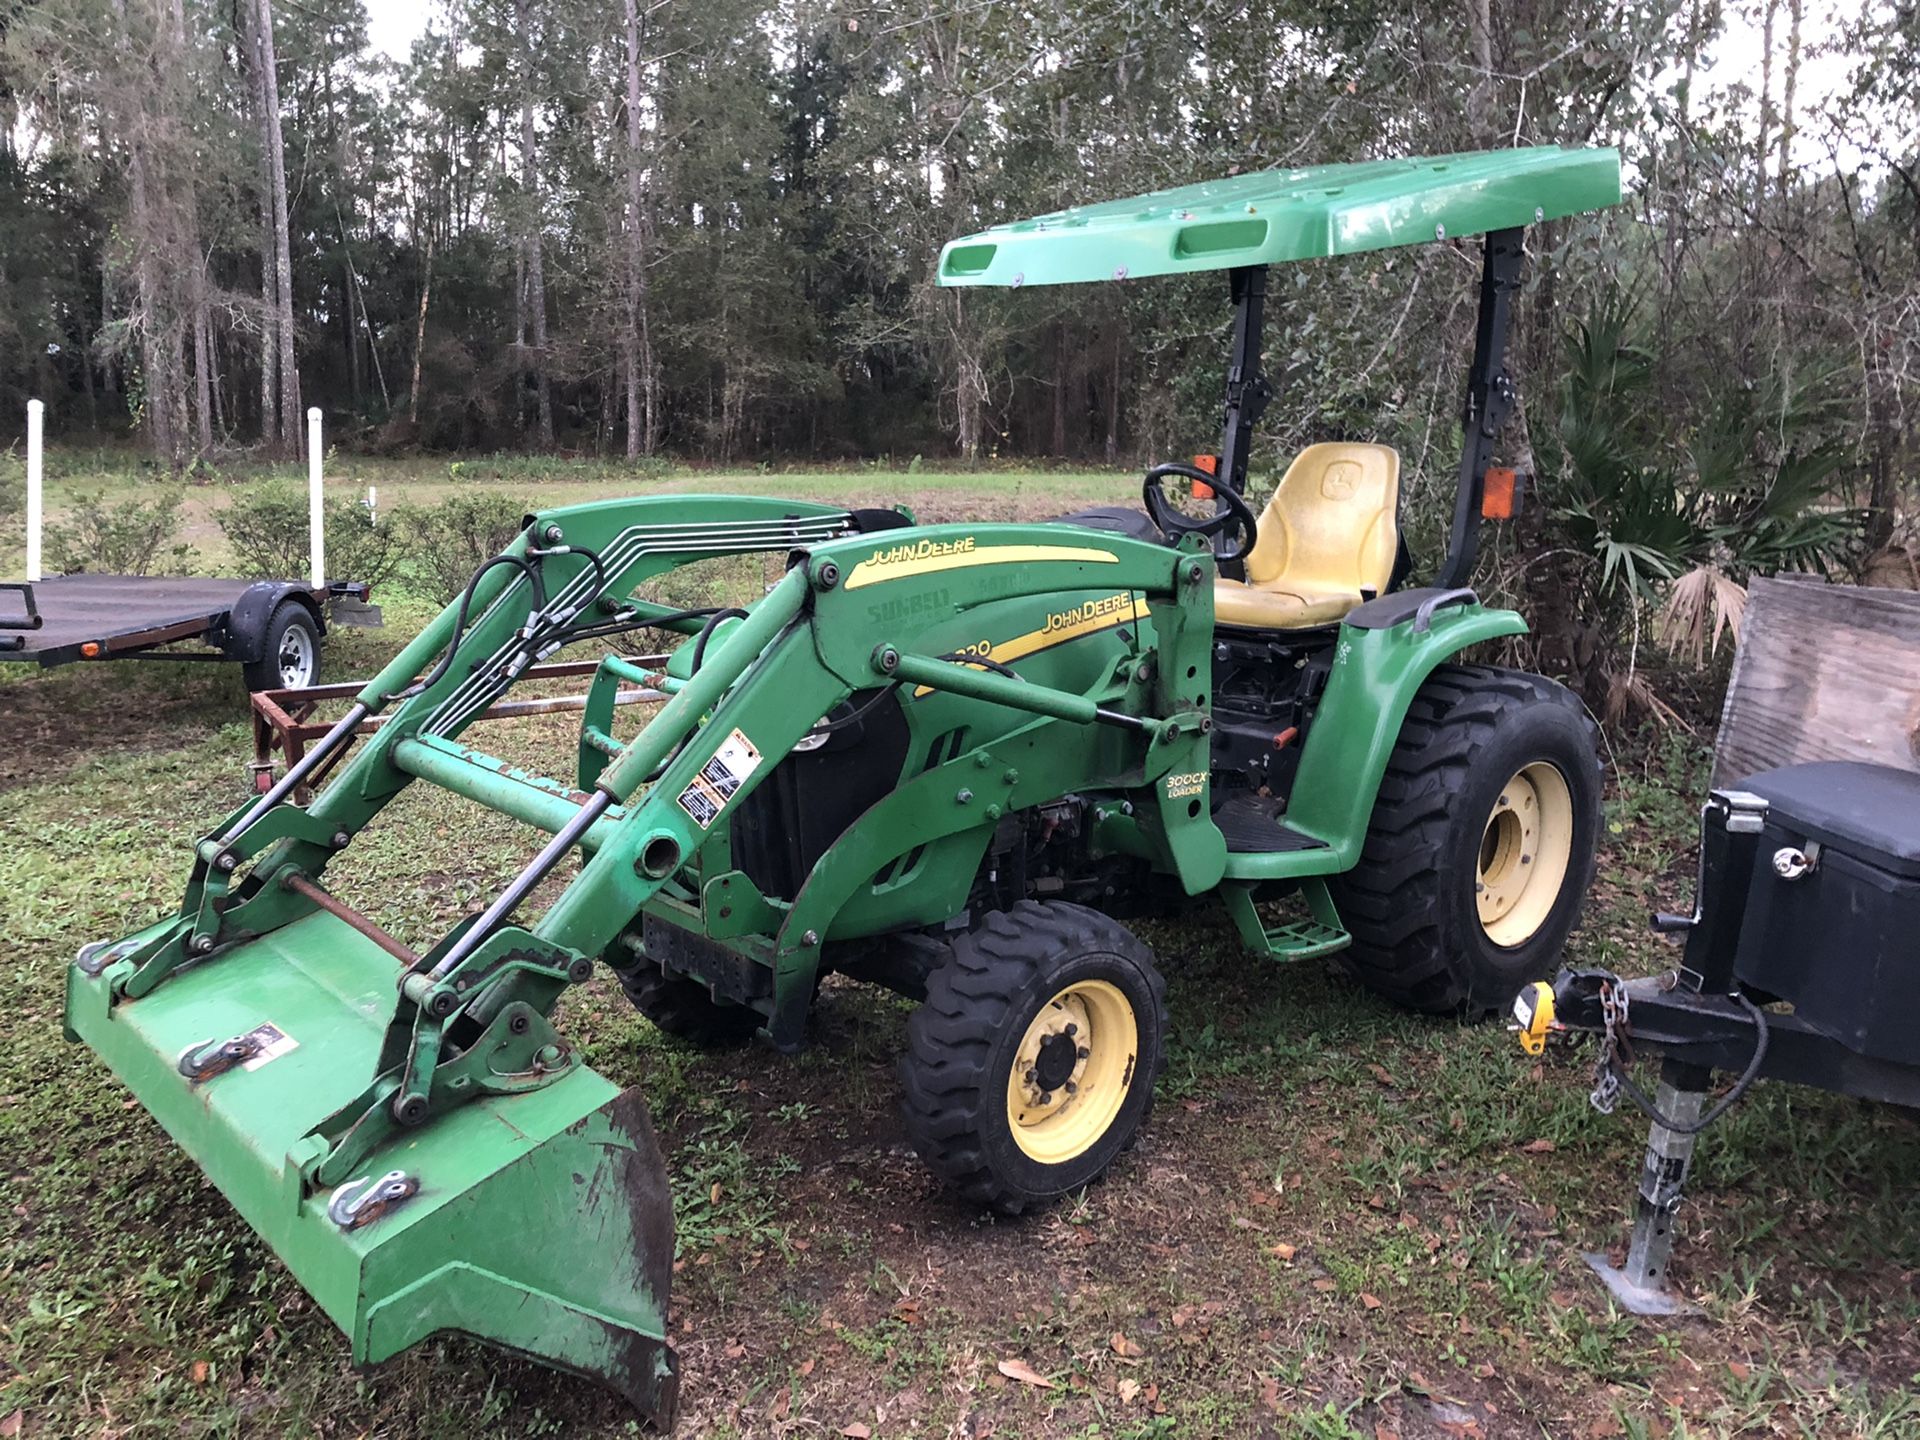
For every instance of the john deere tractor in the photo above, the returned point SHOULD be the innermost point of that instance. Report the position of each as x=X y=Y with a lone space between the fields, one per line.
x=954 y=760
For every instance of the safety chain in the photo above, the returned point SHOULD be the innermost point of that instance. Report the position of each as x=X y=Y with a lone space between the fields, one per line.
x=1616 y=1046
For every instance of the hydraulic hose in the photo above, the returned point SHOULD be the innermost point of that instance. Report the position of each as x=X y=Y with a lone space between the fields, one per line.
x=1646 y=1106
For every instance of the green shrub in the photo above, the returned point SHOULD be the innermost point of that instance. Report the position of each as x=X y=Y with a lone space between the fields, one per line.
x=447 y=541
x=502 y=468
x=267 y=530
x=128 y=538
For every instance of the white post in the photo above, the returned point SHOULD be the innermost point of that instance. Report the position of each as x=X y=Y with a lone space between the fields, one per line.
x=316 y=506
x=36 y=419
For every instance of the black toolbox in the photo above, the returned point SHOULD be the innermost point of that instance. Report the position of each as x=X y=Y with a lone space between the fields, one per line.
x=1832 y=921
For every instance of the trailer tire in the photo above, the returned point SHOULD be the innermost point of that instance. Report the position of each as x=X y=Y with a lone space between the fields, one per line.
x=1003 y=1018
x=290 y=653
x=1494 y=770
x=683 y=1007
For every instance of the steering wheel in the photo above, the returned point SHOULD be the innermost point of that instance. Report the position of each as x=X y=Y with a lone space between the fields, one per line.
x=1235 y=513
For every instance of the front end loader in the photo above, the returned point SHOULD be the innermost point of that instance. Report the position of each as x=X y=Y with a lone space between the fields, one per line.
x=952 y=760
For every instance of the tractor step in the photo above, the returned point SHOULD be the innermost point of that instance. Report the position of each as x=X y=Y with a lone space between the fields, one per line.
x=1304 y=940
x=1299 y=939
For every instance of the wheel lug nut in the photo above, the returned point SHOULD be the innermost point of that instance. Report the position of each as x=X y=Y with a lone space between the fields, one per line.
x=1046 y=1098
x=1072 y=1089
x=1083 y=1052
x=1032 y=1077
x=1072 y=1029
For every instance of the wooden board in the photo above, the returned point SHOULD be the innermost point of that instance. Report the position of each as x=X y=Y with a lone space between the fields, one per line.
x=1824 y=672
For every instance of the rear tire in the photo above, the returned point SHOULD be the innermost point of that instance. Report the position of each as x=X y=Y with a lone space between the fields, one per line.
x=1031 y=1065
x=290 y=657
x=1481 y=846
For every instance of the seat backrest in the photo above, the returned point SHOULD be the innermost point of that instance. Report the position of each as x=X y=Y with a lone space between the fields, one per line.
x=1333 y=522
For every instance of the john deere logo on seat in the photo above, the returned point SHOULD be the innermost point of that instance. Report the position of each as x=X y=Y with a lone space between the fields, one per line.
x=1340 y=481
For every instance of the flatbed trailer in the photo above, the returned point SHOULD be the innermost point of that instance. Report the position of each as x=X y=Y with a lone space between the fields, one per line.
x=271 y=627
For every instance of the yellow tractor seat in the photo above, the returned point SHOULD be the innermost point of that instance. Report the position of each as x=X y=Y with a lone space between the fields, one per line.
x=1329 y=533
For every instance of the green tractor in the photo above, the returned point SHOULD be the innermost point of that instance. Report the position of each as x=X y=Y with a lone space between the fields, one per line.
x=953 y=760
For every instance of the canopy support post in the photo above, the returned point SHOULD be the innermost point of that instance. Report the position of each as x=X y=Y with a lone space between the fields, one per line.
x=1248 y=390
x=1490 y=399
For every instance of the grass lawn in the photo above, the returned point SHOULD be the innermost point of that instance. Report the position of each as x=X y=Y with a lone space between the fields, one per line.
x=1341 y=1220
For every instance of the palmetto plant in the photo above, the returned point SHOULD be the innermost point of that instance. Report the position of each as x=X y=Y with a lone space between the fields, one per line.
x=1674 y=512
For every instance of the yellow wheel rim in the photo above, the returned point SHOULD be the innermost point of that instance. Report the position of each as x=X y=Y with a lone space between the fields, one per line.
x=1525 y=850
x=1071 y=1072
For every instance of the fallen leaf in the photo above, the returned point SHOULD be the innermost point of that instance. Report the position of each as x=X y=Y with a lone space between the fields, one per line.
x=736 y=1351
x=1122 y=1346
x=803 y=1245
x=1381 y=1432
x=1325 y=1285
x=1737 y=1370
x=11 y=1425
x=1283 y=1250
x=1270 y=1392
x=1023 y=1372
x=199 y=1372
x=857 y=1431
x=1380 y=1073
x=1372 y=1302
x=713 y=1195
x=1542 y=1146
x=806 y=1365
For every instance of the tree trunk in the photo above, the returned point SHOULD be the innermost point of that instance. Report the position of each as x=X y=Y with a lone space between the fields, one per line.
x=1761 y=143
x=1113 y=396
x=1060 y=380
x=635 y=338
x=536 y=269
x=518 y=388
x=420 y=333
x=291 y=431
x=148 y=322
x=1480 y=98
x=1787 y=82
x=202 y=364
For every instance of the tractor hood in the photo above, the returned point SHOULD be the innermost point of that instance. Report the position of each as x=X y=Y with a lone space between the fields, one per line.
x=1271 y=216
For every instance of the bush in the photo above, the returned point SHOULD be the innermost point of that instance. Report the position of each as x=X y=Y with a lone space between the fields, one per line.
x=449 y=540
x=128 y=538
x=267 y=529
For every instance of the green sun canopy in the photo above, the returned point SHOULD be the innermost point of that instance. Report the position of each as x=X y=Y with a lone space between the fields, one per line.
x=1271 y=216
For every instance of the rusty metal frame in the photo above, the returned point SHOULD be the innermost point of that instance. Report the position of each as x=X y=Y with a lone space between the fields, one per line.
x=283 y=719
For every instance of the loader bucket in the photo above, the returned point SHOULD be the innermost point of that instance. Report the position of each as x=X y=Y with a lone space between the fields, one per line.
x=541 y=1221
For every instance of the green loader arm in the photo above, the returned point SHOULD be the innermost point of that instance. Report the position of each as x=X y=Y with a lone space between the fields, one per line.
x=407 y=1129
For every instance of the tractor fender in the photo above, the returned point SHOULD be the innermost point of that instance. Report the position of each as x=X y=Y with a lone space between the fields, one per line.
x=1380 y=661
x=244 y=635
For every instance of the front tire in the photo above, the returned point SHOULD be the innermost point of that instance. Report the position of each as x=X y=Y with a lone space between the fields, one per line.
x=1481 y=846
x=1031 y=1065
x=684 y=1007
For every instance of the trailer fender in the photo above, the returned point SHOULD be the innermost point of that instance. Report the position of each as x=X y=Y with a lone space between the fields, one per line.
x=244 y=636
x=1386 y=650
